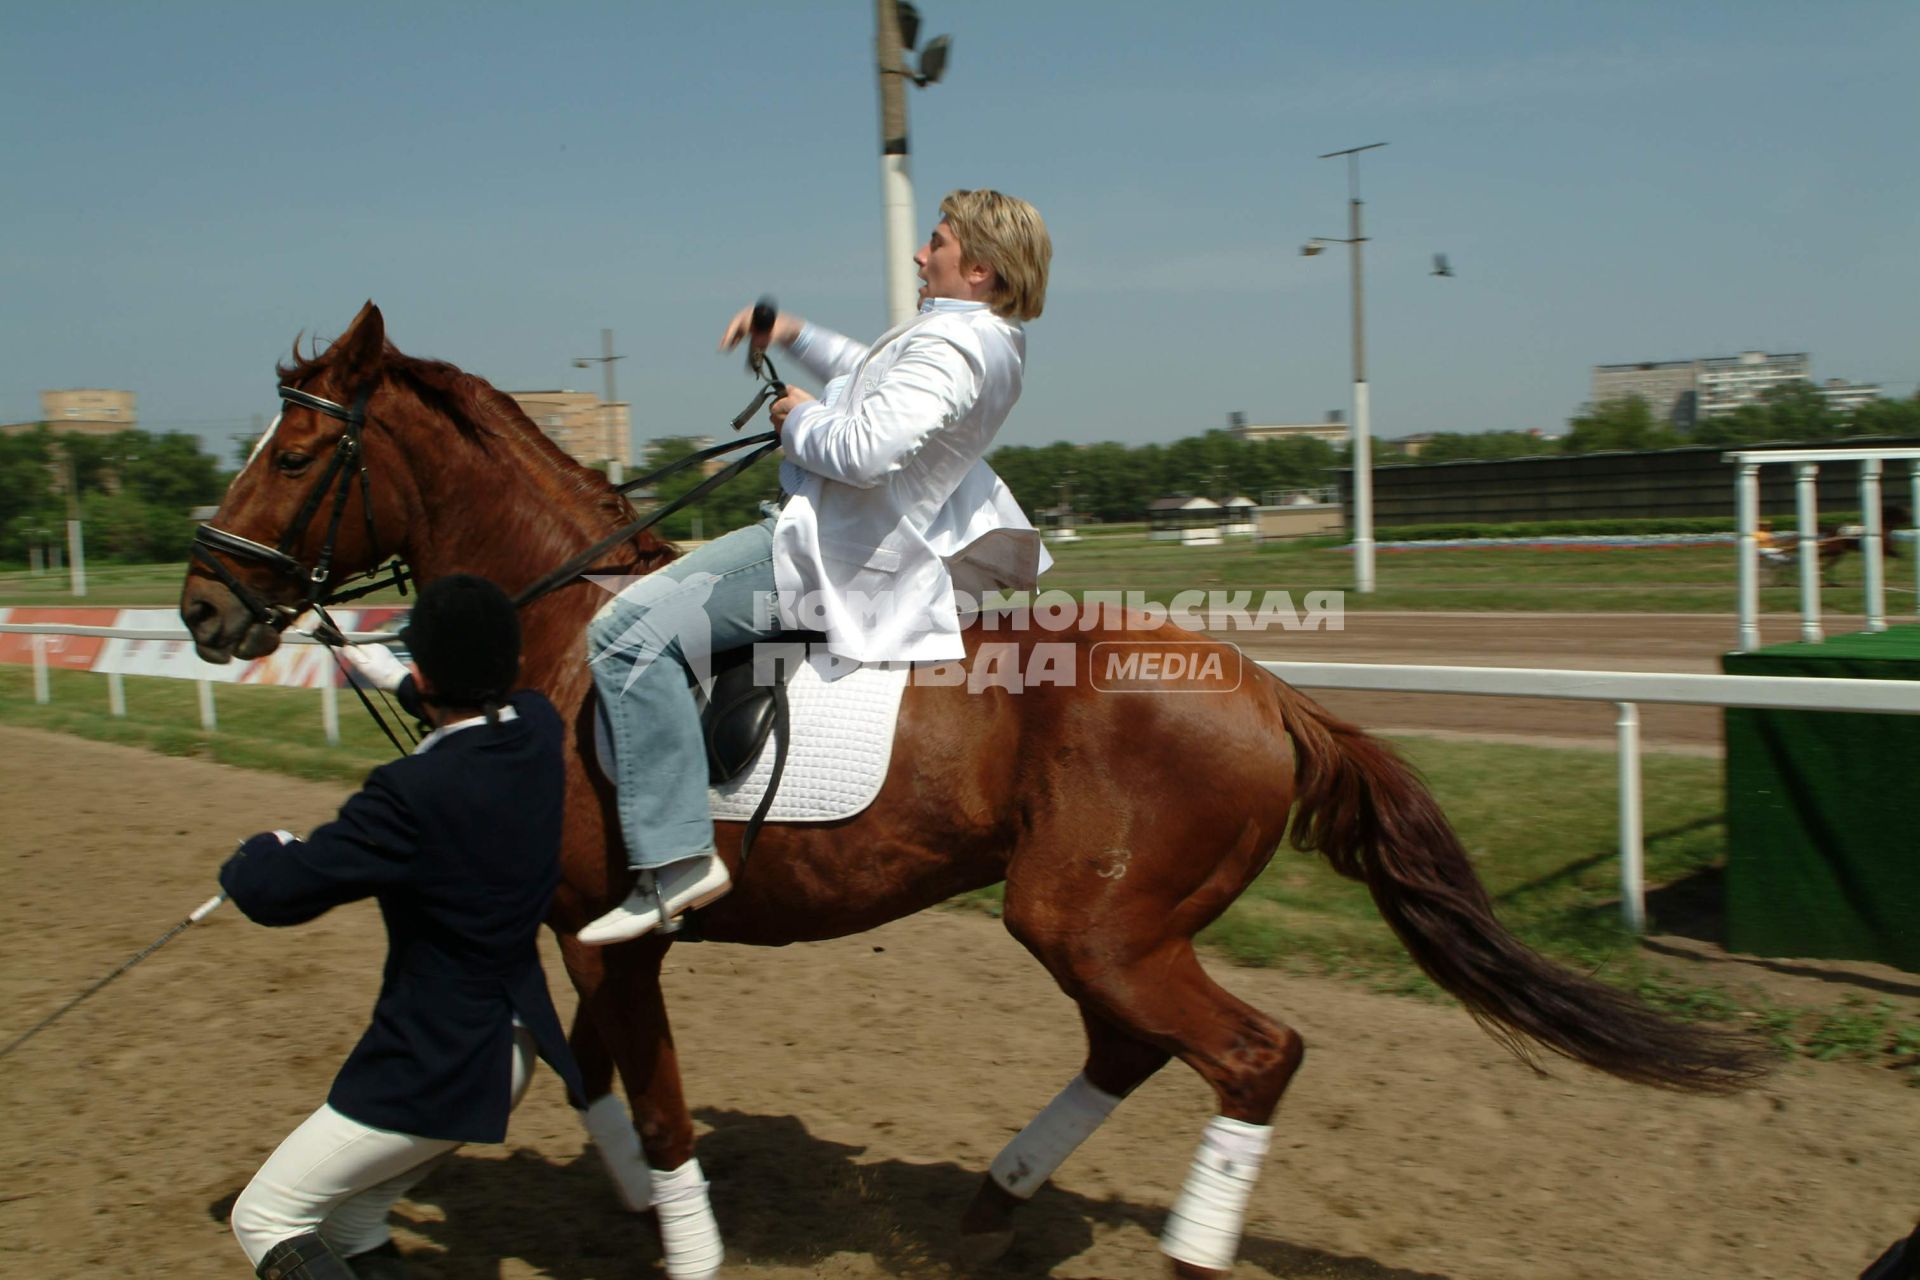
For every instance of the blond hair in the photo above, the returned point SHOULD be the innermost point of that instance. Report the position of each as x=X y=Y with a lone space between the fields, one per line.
x=1008 y=236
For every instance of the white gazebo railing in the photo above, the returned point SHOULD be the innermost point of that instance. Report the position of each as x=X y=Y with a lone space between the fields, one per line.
x=1806 y=465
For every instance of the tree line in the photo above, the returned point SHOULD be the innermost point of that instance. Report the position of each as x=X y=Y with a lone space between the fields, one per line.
x=137 y=487
x=1795 y=412
x=136 y=491
x=1113 y=483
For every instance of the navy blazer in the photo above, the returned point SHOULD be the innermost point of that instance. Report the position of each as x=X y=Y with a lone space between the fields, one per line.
x=461 y=846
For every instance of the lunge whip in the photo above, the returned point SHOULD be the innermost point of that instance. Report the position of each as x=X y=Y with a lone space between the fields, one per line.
x=200 y=913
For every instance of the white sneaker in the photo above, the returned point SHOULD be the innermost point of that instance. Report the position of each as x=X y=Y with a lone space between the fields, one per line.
x=660 y=895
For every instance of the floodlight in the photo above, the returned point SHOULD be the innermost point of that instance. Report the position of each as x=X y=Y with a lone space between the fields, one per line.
x=909 y=24
x=933 y=61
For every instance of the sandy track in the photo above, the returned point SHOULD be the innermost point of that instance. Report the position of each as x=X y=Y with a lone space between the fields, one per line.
x=850 y=1093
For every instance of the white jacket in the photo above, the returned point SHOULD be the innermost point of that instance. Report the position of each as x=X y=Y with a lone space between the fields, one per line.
x=885 y=480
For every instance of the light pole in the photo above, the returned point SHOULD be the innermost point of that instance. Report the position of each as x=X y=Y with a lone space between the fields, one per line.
x=1362 y=443
x=608 y=419
x=76 y=539
x=896 y=29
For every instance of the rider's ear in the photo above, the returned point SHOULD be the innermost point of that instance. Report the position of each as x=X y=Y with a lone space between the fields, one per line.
x=357 y=353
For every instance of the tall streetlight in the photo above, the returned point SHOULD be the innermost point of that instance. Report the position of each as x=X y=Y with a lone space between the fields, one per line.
x=1362 y=443
x=608 y=419
x=76 y=539
x=896 y=30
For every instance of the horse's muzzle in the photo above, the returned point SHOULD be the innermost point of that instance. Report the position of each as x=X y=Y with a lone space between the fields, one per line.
x=223 y=628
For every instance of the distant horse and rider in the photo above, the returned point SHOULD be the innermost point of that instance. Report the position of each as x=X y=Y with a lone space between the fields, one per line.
x=1047 y=792
x=1780 y=552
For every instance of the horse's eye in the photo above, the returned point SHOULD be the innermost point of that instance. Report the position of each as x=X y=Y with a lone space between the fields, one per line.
x=292 y=464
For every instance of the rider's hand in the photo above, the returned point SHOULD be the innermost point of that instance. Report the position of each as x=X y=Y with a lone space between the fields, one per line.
x=786 y=327
x=795 y=397
x=376 y=664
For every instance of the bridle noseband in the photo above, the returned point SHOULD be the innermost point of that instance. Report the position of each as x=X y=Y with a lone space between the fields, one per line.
x=210 y=543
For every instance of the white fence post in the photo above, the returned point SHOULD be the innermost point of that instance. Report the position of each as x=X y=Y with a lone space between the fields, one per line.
x=206 y=704
x=1871 y=544
x=330 y=711
x=1633 y=894
x=1747 y=500
x=1807 y=474
x=42 y=692
x=116 y=694
x=1913 y=518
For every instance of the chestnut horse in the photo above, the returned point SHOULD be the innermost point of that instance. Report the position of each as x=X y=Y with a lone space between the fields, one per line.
x=1121 y=822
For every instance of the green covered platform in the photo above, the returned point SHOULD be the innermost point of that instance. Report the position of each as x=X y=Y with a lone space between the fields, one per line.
x=1823 y=811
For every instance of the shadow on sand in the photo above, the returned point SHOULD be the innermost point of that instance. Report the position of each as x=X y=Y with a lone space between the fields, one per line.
x=789 y=1199
x=1694 y=908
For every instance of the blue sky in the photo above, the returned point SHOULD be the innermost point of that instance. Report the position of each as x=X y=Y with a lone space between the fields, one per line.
x=189 y=185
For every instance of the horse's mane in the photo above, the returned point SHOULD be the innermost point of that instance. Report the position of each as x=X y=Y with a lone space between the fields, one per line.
x=478 y=410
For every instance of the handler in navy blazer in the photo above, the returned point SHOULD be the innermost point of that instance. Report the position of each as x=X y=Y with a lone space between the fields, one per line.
x=459 y=843
x=463 y=883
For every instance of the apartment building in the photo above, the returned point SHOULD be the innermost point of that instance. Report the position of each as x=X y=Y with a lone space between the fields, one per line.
x=1727 y=382
x=1333 y=430
x=1684 y=391
x=587 y=428
x=1668 y=386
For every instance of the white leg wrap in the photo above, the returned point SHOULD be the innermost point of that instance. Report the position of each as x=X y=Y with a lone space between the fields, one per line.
x=1204 y=1227
x=688 y=1234
x=608 y=1124
x=1025 y=1164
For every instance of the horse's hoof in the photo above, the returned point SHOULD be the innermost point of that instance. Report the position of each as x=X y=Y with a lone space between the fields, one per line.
x=984 y=1248
x=986 y=1229
x=991 y=1211
x=1193 y=1271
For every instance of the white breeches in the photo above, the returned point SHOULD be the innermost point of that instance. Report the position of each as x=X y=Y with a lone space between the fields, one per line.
x=341 y=1178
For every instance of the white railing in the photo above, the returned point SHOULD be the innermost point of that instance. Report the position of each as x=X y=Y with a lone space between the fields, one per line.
x=1806 y=465
x=1626 y=690
x=116 y=682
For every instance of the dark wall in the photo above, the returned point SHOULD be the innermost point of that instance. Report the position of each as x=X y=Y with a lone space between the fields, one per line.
x=1691 y=482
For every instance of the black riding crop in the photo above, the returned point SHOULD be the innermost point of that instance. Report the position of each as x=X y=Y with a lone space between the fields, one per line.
x=200 y=913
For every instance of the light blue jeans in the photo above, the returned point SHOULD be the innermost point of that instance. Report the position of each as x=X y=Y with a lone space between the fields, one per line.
x=641 y=647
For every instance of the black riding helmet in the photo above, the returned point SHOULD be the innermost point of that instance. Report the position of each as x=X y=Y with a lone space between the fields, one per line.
x=465 y=636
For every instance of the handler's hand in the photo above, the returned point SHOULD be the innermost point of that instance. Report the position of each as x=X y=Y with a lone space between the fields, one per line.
x=795 y=397
x=786 y=327
x=376 y=664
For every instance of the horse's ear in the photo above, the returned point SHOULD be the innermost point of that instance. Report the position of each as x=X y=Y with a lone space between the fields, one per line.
x=358 y=352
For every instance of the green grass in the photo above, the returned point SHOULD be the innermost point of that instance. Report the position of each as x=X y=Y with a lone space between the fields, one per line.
x=1539 y=824
x=1655 y=579
x=258 y=727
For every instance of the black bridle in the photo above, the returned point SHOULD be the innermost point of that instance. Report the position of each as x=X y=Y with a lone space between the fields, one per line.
x=317 y=586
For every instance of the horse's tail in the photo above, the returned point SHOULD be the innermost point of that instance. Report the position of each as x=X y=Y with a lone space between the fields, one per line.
x=1367 y=811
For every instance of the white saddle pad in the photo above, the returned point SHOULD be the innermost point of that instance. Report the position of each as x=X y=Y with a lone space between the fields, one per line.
x=841 y=744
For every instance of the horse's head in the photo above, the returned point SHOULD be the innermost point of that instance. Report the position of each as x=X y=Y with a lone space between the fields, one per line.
x=322 y=498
